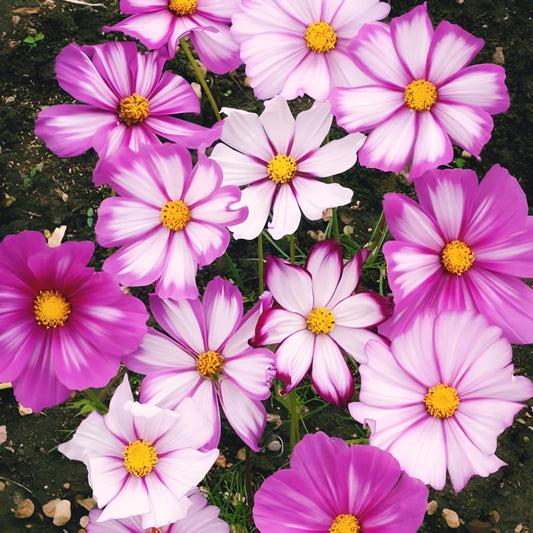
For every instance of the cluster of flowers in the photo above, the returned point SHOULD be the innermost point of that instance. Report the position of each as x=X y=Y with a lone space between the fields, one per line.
x=437 y=383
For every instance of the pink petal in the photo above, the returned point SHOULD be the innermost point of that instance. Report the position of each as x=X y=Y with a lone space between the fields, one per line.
x=277 y=324
x=350 y=276
x=294 y=356
x=173 y=95
x=278 y=123
x=353 y=341
x=310 y=76
x=361 y=310
x=238 y=168
x=324 y=263
x=181 y=131
x=285 y=212
x=310 y=130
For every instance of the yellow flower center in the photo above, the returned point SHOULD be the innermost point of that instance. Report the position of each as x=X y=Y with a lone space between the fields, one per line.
x=133 y=109
x=420 y=95
x=154 y=530
x=441 y=401
x=345 y=523
x=320 y=37
x=183 y=7
x=456 y=257
x=139 y=458
x=282 y=168
x=51 y=309
x=210 y=364
x=320 y=320
x=175 y=215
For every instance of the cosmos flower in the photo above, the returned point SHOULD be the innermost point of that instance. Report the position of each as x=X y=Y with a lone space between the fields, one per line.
x=127 y=101
x=158 y=23
x=168 y=221
x=292 y=47
x=63 y=326
x=142 y=460
x=319 y=319
x=209 y=359
x=463 y=246
x=440 y=396
x=421 y=97
x=336 y=488
x=280 y=158
x=200 y=518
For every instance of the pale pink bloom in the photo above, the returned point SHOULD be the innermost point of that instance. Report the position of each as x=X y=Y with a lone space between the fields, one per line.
x=127 y=101
x=158 y=23
x=279 y=158
x=208 y=358
x=292 y=47
x=438 y=398
x=420 y=96
x=169 y=220
x=318 y=319
x=141 y=459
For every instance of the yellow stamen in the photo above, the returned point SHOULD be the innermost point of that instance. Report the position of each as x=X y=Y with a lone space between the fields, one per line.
x=133 y=109
x=175 y=215
x=320 y=320
x=456 y=257
x=51 y=309
x=183 y=7
x=441 y=401
x=139 y=458
x=210 y=364
x=345 y=523
x=282 y=168
x=420 y=95
x=320 y=37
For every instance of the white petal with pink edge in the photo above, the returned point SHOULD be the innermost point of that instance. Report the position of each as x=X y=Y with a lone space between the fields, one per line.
x=277 y=324
x=294 y=356
x=238 y=168
x=285 y=212
x=311 y=128
x=278 y=123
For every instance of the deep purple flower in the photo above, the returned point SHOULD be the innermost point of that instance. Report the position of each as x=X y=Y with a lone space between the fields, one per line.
x=63 y=326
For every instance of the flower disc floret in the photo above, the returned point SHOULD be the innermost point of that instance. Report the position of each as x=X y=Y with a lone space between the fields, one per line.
x=139 y=458
x=210 y=364
x=320 y=37
x=420 y=95
x=51 y=309
x=183 y=8
x=345 y=523
x=175 y=215
x=282 y=168
x=457 y=257
x=133 y=109
x=441 y=401
x=320 y=320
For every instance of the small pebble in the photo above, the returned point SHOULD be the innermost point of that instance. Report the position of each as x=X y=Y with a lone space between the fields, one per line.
x=24 y=509
x=451 y=518
x=50 y=507
x=84 y=520
x=62 y=514
x=66 y=485
x=86 y=503
x=432 y=507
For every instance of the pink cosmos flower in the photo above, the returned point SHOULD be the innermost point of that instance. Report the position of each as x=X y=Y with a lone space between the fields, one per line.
x=63 y=326
x=142 y=460
x=280 y=158
x=128 y=101
x=463 y=246
x=209 y=359
x=319 y=319
x=158 y=23
x=292 y=47
x=200 y=518
x=438 y=398
x=334 y=487
x=421 y=97
x=168 y=221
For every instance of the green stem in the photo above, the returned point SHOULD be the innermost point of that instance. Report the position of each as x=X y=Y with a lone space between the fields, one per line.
x=335 y=225
x=200 y=77
x=292 y=252
x=91 y=395
x=260 y=263
x=294 y=416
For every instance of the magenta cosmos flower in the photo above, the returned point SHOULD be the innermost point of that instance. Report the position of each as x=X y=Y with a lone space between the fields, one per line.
x=421 y=97
x=158 y=23
x=63 y=326
x=209 y=359
x=200 y=518
x=128 y=101
x=336 y=488
x=462 y=247
x=319 y=319
x=292 y=47
x=279 y=158
x=440 y=396
x=142 y=460
x=168 y=221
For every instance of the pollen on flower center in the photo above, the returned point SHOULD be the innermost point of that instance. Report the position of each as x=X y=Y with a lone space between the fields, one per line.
x=441 y=401
x=320 y=320
x=139 y=458
x=282 y=168
x=345 y=523
x=456 y=257
x=133 y=109
x=154 y=530
x=210 y=364
x=51 y=309
x=320 y=37
x=175 y=215
x=183 y=8
x=420 y=95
